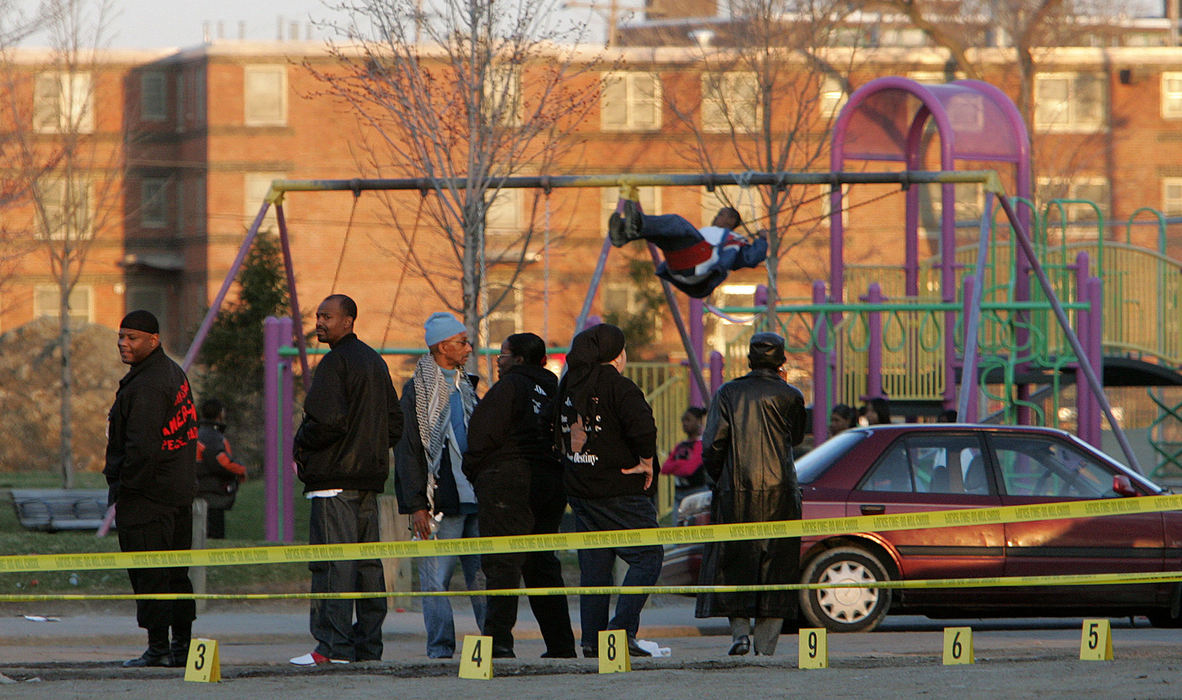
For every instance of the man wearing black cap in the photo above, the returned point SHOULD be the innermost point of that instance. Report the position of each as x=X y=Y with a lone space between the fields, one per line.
x=150 y=469
x=753 y=423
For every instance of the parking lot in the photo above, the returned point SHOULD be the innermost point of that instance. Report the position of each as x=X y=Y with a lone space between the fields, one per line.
x=78 y=656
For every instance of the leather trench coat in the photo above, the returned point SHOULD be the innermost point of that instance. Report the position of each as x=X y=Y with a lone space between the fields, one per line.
x=752 y=425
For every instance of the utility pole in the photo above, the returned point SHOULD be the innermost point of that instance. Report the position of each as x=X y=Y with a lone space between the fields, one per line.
x=611 y=15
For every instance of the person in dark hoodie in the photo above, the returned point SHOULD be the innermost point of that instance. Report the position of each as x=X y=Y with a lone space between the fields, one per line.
x=513 y=464
x=608 y=438
x=342 y=451
x=151 y=472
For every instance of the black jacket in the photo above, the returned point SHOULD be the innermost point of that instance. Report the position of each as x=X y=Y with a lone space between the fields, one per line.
x=351 y=420
x=621 y=433
x=514 y=420
x=151 y=441
x=411 y=468
x=751 y=427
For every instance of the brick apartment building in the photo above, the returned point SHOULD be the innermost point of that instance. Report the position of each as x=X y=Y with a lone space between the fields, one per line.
x=206 y=129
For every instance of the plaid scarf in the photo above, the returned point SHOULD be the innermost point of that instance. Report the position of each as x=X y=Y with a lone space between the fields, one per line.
x=432 y=405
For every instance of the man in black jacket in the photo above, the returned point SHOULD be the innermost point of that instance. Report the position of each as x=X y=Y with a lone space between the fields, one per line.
x=753 y=423
x=150 y=468
x=351 y=420
x=512 y=462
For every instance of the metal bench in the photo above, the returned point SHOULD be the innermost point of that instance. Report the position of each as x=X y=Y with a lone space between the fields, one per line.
x=51 y=510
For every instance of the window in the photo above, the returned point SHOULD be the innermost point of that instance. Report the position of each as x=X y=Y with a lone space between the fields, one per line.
x=833 y=96
x=153 y=96
x=1032 y=466
x=970 y=203
x=66 y=205
x=183 y=104
x=746 y=200
x=63 y=103
x=730 y=102
x=934 y=77
x=903 y=37
x=150 y=297
x=609 y=197
x=504 y=213
x=47 y=303
x=630 y=101
x=1171 y=196
x=257 y=185
x=1171 y=95
x=931 y=464
x=1068 y=102
x=1081 y=217
x=823 y=196
x=502 y=95
x=505 y=319
x=154 y=202
x=265 y=95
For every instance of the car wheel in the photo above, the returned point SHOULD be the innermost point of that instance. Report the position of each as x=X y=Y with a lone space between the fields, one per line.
x=845 y=609
x=1171 y=617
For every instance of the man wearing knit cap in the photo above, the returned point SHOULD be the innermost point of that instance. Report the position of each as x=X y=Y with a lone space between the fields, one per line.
x=150 y=469
x=437 y=402
x=753 y=423
x=342 y=450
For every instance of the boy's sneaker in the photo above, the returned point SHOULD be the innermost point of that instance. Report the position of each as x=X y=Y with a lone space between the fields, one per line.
x=615 y=230
x=315 y=659
x=633 y=221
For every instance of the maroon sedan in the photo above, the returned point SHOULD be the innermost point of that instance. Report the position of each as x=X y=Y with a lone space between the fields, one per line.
x=909 y=468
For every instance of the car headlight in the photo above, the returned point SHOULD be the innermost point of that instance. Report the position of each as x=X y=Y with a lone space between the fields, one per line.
x=693 y=504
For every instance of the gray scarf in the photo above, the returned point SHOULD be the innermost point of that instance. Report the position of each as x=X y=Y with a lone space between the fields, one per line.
x=432 y=405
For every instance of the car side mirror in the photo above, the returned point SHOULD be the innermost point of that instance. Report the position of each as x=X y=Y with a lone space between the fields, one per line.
x=1122 y=486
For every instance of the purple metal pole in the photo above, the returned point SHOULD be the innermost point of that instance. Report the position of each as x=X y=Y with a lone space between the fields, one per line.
x=697 y=340
x=716 y=367
x=594 y=286
x=1083 y=322
x=295 y=302
x=1095 y=292
x=695 y=362
x=874 y=351
x=284 y=436
x=968 y=401
x=207 y=322
x=822 y=388
x=272 y=339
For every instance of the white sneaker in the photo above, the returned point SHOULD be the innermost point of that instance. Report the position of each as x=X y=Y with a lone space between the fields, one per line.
x=314 y=659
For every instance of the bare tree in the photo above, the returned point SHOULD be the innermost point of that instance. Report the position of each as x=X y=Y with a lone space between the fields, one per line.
x=463 y=91
x=772 y=84
x=69 y=170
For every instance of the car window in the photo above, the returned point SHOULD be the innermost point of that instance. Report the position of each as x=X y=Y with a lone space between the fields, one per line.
x=1037 y=466
x=932 y=463
x=810 y=467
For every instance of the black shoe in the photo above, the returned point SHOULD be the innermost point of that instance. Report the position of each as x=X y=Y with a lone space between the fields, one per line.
x=590 y=651
x=634 y=648
x=615 y=230
x=633 y=220
x=150 y=659
x=741 y=646
x=179 y=651
x=503 y=652
x=564 y=654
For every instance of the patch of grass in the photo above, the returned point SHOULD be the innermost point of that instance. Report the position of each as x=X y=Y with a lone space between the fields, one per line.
x=244 y=528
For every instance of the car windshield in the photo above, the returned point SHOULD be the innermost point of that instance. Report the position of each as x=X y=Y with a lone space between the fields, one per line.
x=810 y=467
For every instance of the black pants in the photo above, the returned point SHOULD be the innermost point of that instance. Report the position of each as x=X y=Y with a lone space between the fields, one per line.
x=215 y=523
x=517 y=498
x=171 y=529
x=350 y=517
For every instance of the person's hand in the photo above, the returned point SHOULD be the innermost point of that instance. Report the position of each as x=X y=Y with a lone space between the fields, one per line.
x=420 y=524
x=762 y=233
x=578 y=435
x=645 y=467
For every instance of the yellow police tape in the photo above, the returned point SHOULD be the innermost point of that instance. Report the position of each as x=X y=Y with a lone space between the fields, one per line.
x=1147 y=577
x=591 y=540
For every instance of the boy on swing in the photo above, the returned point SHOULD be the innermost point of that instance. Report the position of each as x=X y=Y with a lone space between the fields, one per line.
x=696 y=261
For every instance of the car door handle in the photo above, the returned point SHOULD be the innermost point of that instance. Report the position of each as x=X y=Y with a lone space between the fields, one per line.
x=875 y=509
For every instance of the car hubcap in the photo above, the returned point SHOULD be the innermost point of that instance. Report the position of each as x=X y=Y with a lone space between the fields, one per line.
x=847 y=605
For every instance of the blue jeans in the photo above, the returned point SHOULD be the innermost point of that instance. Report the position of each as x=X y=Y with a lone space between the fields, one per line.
x=595 y=565
x=435 y=575
x=669 y=231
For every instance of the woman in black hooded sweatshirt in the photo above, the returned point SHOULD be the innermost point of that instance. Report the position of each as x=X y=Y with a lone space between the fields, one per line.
x=608 y=438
